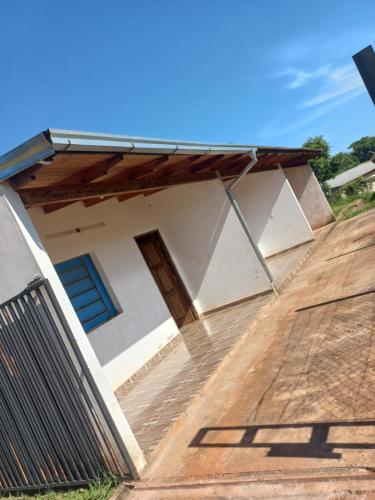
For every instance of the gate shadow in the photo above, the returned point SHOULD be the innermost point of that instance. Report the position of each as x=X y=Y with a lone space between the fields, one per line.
x=318 y=445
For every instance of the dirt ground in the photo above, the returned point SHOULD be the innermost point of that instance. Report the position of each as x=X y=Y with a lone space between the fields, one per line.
x=300 y=393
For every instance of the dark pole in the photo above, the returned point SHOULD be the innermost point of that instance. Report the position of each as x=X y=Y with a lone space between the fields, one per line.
x=365 y=62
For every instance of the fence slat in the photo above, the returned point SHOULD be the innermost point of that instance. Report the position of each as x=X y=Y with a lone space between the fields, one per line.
x=54 y=428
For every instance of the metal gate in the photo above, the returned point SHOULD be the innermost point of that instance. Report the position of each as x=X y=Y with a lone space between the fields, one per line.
x=54 y=428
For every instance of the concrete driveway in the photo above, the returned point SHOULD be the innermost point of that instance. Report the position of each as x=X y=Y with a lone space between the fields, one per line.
x=299 y=395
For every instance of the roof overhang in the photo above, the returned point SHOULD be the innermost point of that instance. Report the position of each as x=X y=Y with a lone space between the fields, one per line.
x=59 y=167
x=36 y=149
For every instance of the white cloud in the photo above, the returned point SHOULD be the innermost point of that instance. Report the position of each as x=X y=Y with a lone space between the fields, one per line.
x=301 y=77
x=329 y=82
x=320 y=77
x=282 y=125
x=336 y=82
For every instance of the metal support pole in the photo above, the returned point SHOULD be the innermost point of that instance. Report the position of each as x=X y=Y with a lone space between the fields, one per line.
x=365 y=62
x=241 y=218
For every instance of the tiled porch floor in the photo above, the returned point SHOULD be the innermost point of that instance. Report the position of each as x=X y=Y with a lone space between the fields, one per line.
x=163 y=394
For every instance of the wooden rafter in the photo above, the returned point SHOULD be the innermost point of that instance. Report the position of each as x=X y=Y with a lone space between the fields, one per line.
x=44 y=196
x=215 y=162
x=93 y=172
x=153 y=173
x=25 y=177
x=143 y=170
x=127 y=196
x=71 y=193
x=139 y=170
x=201 y=166
x=94 y=201
x=177 y=167
x=87 y=175
x=272 y=159
x=53 y=207
x=295 y=163
x=151 y=169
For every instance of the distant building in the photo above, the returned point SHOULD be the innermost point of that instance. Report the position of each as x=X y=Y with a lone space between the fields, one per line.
x=365 y=170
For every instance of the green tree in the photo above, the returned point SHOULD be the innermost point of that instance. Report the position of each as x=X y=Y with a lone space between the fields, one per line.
x=341 y=162
x=318 y=142
x=363 y=148
x=321 y=164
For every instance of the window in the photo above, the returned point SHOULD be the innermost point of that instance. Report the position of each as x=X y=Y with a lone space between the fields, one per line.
x=86 y=291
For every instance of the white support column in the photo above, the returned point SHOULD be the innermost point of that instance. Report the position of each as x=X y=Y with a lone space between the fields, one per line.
x=310 y=195
x=23 y=258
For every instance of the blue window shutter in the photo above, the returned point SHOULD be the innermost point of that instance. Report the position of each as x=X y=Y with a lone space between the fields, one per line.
x=86 y=291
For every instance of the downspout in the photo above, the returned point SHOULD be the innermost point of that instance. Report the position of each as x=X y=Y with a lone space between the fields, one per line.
x=229 y=192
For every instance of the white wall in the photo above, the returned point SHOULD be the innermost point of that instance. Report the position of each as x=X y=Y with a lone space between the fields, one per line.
x=18 y=267
x=144 y=324
x=310 y=195
x=272 y=212
x=208 y=245
x=204 y=238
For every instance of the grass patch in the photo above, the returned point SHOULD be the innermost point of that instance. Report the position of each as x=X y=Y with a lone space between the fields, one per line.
x=100 y=490
x=340 y=205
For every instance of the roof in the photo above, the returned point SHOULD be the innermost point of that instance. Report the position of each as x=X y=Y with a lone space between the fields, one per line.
x=91 y=167
x=351 y=174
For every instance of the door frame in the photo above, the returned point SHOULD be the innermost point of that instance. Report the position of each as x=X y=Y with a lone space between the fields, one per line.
x=173 y=267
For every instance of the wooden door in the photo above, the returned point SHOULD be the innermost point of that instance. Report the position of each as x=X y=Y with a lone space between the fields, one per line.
x=166 y=277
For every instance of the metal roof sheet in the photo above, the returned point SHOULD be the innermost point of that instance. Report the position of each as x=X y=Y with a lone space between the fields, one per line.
x=351 y=174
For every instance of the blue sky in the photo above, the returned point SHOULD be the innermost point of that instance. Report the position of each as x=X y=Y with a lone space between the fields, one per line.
x=267 y=72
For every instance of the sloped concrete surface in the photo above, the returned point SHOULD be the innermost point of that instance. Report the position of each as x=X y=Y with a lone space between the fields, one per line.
x=297 y=398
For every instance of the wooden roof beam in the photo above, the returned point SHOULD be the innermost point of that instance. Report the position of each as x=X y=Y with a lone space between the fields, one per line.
x=175 y=168
x=87 y=175
x=94 y=201
x=127 y=196
x=44 y=196
x=206 y=164
x=144 y=169
x=93 y=172
x=139 y=171
x=211 y=164
x=48 y=209
x=272 y=159
x=23 y=178
x=298 y=162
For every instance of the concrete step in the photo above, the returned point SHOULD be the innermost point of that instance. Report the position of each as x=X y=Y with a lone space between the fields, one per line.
x=320 y=483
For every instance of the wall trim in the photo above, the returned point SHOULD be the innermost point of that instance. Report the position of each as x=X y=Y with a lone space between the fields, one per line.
x=235 y=303
x=290 y=248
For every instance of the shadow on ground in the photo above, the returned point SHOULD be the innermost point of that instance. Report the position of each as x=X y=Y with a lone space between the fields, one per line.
x=319 y=443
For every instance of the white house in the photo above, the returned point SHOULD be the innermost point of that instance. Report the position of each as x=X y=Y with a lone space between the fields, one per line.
x=141 y=236
x=365 y=170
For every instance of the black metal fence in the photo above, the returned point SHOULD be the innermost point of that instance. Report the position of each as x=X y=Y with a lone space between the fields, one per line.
x=54 y=427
